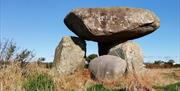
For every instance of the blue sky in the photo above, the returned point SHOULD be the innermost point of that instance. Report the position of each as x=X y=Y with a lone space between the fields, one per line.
x=38 y=25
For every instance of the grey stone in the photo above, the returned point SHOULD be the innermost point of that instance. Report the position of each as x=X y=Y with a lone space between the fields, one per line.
x=109 y=25
x=107 y=67
x=131 y=52
x=69 y=55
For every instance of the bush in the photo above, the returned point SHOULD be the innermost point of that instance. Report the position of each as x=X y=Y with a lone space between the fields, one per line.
x=40 y=82
x=100 y=87
x=91 y=57
x=9 y=53
x=7 y=50
x=173 y=87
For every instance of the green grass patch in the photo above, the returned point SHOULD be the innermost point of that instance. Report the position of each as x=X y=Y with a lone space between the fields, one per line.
x=39 y=82
x=171 y=87
x=100 y=87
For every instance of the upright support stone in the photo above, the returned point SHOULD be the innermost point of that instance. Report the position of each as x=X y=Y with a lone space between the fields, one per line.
x=69 y=55
x=130 y=52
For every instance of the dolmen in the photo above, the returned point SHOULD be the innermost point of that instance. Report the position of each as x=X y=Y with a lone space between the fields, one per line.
x=114 y=29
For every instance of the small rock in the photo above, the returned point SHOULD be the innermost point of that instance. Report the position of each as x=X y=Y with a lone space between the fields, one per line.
x=107 y=67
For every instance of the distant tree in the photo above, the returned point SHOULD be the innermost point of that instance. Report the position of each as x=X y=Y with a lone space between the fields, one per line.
x=158 y=62
x=171 y=61
x=91 y=57
x=41 y=59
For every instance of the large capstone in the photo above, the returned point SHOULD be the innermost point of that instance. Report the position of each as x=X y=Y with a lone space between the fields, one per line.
x=69 y=55
x=131 y=52
x=107 y=67
x=107 y=25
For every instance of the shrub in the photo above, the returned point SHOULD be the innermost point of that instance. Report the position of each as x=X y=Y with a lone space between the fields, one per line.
x=91 y=57
x=173 y=87
x=40 y=82
x=24 y=57
x=8 y=52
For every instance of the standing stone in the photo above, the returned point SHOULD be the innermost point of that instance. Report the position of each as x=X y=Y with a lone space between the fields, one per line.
x=107 y=67
x=69 y=55
x=109 y=25
x=130 y=52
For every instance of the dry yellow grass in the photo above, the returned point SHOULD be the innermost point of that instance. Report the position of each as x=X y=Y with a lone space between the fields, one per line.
x=164 y=77
x=13 y=77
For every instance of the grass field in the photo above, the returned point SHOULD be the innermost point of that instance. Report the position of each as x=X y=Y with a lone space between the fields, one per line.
x=14 y=78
